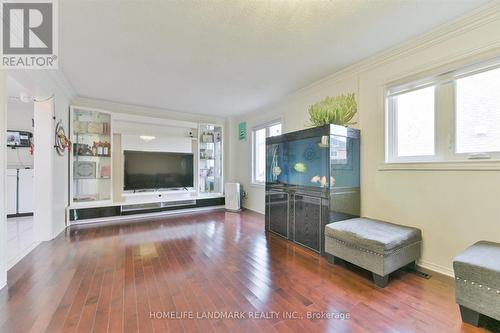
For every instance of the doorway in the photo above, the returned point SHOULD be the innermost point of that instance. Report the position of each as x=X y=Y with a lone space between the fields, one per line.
x=19 y=173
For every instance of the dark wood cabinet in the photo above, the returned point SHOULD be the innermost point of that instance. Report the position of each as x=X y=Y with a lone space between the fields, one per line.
x=278 y=218
x=307 y=221
x=297 y=216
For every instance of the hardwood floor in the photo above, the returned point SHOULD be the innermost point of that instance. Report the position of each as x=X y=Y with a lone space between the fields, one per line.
x=130 y=277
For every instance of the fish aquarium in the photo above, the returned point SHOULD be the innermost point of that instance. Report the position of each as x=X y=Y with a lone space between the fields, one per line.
x=301 y=162
x=323 y=157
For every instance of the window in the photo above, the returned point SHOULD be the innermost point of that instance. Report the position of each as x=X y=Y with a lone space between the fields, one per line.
x=478 y=113
x=412 y=129
x=259 y=135
x=415 y=122
x=450 y=117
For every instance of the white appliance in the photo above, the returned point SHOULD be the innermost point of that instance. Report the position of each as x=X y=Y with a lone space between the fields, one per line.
x=19 y=191
x=25 y=191
x=232 y=191
x=11 y=192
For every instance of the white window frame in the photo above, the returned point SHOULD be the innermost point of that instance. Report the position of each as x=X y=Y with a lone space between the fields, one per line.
x=445 y=122
x=491 y=155
x=392 y=130
x=265 y=126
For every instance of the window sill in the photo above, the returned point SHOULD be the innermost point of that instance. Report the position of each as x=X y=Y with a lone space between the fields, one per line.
x=259 y=185
x=472 y=165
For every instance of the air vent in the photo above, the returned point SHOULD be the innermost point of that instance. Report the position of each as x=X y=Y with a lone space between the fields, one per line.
x=178 y=203
x=130 y=208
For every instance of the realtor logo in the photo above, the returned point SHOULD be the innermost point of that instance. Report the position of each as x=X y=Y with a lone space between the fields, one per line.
x=29 y=34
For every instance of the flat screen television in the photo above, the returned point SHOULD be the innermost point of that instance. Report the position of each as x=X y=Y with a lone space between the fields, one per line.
x=18 y=138
x=157 y=170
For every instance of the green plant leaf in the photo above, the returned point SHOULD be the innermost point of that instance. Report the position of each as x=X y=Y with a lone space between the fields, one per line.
x=338 y=110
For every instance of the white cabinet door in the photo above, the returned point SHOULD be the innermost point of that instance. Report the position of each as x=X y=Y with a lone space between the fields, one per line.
x=11 y=191
x=25 y=191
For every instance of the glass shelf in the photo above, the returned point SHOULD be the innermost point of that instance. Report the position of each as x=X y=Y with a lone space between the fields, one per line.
x=95 y=156
x=91 y=156
x=210 y=159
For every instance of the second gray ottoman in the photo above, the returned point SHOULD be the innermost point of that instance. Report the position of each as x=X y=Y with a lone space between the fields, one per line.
x=377 y=246
x=477 y=284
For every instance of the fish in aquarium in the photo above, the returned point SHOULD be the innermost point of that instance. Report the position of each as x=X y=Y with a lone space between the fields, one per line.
x=315 y=179
x=322 y=180
x=276 y=171
x=300 y=167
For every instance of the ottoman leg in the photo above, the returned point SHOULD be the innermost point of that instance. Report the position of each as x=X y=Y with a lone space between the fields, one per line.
x=412 y=266
x=380 y=281
x=334 y=260
x=469 y=316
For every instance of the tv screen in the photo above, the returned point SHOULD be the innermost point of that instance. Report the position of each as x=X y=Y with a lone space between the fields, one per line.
x=157 y=170
x=18 y=138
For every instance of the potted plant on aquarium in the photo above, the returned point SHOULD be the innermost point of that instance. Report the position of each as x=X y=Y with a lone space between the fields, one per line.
x=338 y=110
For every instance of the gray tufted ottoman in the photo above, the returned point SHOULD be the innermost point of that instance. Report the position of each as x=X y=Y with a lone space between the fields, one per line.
x=377 y=246
x=477 y=281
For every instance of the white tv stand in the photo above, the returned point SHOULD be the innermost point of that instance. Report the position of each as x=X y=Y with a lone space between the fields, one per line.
x=157 y=195
x=164 y=202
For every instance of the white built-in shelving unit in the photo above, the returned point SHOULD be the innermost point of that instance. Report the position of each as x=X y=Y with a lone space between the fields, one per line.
x=92 y=184
x=210 y=159
x=90 y=157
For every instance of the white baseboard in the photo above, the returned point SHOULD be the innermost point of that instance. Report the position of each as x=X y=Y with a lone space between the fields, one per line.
x=436 y=268
x=253 y=210
x=23 y=254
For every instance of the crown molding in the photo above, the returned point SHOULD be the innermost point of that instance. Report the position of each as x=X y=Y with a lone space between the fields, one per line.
x=60 y=80
x=122 y=108
x=43 y=83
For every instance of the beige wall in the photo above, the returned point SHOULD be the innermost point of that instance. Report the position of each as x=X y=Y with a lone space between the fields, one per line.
x=454 y=208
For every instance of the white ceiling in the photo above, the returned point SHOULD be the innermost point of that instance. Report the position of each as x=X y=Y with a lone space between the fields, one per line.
x=15 y=89
x=229 y=57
